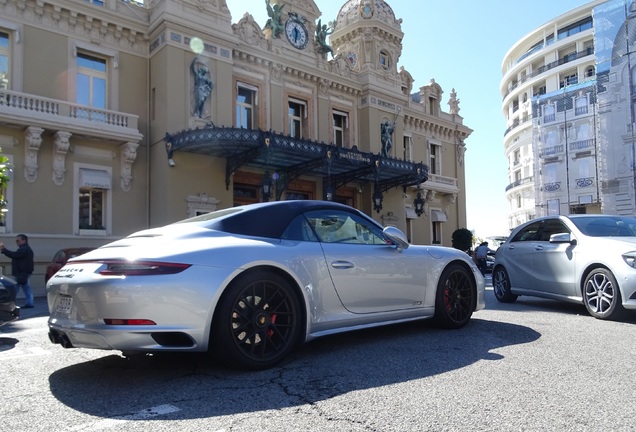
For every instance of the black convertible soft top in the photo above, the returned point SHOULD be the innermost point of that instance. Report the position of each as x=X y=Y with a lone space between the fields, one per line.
x=268 y=219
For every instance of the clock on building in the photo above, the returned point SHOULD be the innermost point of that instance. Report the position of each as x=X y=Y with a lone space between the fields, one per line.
x=296 y=32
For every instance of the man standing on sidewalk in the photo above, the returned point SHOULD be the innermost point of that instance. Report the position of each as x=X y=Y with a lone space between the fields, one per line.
x=21 y=266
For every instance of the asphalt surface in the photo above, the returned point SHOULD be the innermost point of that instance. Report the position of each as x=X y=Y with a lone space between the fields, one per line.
x=535 y=365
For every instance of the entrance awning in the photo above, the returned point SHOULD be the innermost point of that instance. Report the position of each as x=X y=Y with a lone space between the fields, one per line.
x=292 y=157
x=438 y=216
x=97 y=179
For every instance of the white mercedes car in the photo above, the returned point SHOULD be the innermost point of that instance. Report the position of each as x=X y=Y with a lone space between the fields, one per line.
x=250 y=283
x=587 y=258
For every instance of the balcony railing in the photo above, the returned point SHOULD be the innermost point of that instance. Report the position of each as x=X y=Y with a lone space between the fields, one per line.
x=442 y=183
x=581 y=110
x=582 y=144
x=520 y=182
x=28 y=109
x=551 y=151
x=586 y=52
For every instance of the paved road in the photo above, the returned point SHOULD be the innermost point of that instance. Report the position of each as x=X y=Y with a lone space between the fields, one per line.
x=535 y=365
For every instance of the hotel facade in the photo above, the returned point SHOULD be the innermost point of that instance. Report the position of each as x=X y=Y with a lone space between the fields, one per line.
x=568 y=98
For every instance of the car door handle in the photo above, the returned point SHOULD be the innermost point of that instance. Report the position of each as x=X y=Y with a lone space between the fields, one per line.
x=538 y=247
x=342 y=264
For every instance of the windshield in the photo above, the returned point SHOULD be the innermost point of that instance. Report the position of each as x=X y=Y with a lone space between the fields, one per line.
x=615 y=226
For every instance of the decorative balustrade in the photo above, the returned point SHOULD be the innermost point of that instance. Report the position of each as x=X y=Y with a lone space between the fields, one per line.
x=551 y=151
x=582 y=144
x=520 y=182
x=35 y=108
x=435 y=178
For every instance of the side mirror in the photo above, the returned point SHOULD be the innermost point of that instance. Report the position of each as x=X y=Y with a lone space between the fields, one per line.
x=397 y=237
x=562 y=238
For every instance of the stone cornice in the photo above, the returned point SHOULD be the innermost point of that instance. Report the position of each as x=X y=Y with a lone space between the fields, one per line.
x=323 y=77
x=435 y=126
x=124 y=29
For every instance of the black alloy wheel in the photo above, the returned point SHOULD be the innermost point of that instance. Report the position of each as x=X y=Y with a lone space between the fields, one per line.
x=456 y=297
x=601 y=295
x=501 y=286
x=257 y=322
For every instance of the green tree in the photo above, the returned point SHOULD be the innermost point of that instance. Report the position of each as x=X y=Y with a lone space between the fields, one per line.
x=5 y=169
x=462 y=239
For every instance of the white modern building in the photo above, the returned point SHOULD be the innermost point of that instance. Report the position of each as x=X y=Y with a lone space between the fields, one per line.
x=549 y=102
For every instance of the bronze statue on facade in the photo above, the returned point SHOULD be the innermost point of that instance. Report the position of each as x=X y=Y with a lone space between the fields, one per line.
x=202 y=86
x=274 y=22
x=322 y=31
x=386 y=136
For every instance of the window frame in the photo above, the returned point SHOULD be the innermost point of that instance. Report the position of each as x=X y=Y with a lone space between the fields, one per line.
x=107 y=212
x=297 y=120
x=436 y=232
x=112 y=71
x=408 y=148
x=6 y=53
x=93 y=76
x=15 y=54
x=435 y=157
x=8 y=196
x=343 y=129
x=246 y=107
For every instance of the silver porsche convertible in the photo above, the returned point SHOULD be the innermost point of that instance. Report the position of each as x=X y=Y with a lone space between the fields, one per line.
x=250 y=283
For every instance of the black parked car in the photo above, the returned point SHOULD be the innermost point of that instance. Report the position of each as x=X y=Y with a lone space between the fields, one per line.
x=8 y=310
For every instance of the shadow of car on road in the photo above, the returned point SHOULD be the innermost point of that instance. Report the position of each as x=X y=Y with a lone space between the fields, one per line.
x=325 y=368
x=538 y=304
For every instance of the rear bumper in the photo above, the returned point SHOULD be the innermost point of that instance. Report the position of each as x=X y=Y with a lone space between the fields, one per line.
x=9 y=312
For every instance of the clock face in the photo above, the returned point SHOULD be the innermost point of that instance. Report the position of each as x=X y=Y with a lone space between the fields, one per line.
x=296 y=33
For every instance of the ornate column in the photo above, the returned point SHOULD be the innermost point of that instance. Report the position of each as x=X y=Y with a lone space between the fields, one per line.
x=61 y=146
x=128 y=156
x=33 y=141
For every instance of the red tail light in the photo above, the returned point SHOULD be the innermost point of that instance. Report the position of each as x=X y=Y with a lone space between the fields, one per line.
x=141 y=268
x=113 y=321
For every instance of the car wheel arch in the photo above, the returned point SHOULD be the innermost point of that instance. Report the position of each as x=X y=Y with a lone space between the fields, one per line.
x=613 y=309
x=304 y=305
x=586 y=272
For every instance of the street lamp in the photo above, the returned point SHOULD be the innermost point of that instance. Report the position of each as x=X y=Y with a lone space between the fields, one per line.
x=418 y=203
x=329 y=193
x=377 y=199
x=267 y=186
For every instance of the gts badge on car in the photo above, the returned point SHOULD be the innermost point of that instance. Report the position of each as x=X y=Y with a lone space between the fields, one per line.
x=417 y=303
x=67 y=272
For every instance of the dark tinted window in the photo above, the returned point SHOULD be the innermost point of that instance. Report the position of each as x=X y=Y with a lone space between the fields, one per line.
x=552 y=226
x=529 y=233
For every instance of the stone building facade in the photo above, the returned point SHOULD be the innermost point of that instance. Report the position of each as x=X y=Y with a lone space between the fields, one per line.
x=122 y=115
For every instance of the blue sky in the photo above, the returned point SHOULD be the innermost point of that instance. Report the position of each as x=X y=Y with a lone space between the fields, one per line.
x=461 y=45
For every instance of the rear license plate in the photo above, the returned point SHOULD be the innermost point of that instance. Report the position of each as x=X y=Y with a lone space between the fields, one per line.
x=65 y=304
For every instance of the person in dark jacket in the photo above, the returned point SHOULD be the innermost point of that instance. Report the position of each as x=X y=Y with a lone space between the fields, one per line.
x=21 y=266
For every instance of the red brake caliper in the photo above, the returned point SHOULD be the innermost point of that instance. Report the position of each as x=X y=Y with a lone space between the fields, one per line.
x=270 y=332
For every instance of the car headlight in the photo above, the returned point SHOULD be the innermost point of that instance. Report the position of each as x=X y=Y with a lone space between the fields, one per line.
x=630 y=258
